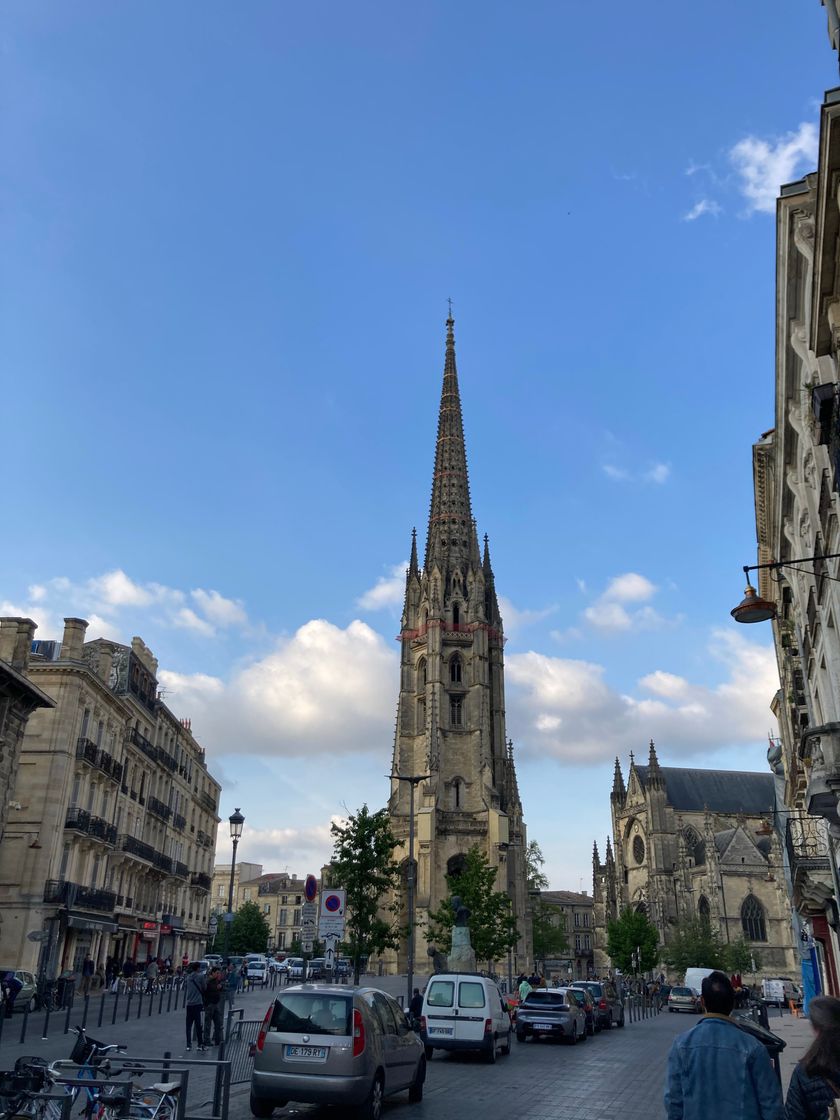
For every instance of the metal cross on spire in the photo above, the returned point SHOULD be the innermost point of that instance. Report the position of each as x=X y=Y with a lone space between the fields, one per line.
x=449 y=301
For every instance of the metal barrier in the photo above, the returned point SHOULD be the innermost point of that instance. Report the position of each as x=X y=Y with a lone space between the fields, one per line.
x=238 y=1047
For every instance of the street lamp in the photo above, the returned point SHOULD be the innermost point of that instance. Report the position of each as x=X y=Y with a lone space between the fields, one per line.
x=236 y=822
x=413 y=781
x=752 y=607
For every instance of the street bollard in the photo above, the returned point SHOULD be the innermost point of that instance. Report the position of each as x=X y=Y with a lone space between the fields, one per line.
x=23 y=1025
x=128 y=1004
x=116 y=1005
x=169 y=1001
x=101 y=1010
x=140 y=1004
x=67 y=1016
x=86 y=1002
x=160 y=1004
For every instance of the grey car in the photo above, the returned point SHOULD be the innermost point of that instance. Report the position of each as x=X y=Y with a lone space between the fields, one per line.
x=609 y=1008
x=550 y=1013
x=335 y=1044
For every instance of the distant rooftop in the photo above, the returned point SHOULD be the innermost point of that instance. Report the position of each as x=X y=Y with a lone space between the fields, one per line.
x=721 y=791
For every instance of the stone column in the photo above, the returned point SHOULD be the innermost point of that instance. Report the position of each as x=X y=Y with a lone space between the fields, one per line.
x=74 y=639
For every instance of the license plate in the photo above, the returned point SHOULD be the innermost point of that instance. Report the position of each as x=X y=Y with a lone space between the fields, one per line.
x=441 y=1030
x=307 y=1053
x=543 y=1026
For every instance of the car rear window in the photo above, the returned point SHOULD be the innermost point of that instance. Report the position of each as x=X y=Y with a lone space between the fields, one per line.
x=312 y=1013
x=545 y=999
x=682 y=992
x=578 y=996
x=470 y=994
x=441 y=993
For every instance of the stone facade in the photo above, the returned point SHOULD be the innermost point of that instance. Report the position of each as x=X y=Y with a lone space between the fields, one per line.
x=451 y=713
x=574 y=913
x=688 y=843
x=116 y=789
x=796 y=472
x=18 y=700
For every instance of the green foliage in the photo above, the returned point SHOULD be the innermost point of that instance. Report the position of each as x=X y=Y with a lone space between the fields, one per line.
x=739 y=956
x=363 y=864
x=695 y=944
x=296 y=948
x=534 y=860
x=549 y=938
x=629 y=933
x=249 y=930
x=492 y=924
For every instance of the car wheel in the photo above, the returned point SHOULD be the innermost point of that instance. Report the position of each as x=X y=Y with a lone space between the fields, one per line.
x=520 y=1036
x=372 y=1108
x=506 y=1047
x=428 y=1051
x=260 y=1107
x=415 y=1092
x=490 y=1052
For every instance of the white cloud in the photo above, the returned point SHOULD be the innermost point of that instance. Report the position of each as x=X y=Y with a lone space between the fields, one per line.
x=282 y=849
x=515 y=619
x=704 y=206
x=116 y=589
x=618 y=474
x=215 y=607
x=659 y=473
x=610 y=614
x=565 y=709
x=387 y=593
x=630 y=588
x=322 y=691
x=765 y=165
x=186 y=619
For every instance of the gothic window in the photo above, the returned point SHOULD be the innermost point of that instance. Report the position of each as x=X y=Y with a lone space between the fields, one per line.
x=456 y=614
x=638 y=849
x=456 y=711
x=455 y=670
x=703 y=909
x=752 y=919
x=421 y=673
x=456 y=793
x=694 y=846
x=641 y=908
x=421 y=715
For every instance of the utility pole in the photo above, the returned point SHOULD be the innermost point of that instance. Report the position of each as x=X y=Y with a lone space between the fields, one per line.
x=413 y=781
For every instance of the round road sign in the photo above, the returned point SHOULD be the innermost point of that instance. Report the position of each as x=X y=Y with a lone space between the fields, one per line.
x=310 y=888
x=332 y=903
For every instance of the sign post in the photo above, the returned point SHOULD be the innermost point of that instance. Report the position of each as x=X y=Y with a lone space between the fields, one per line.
x=331 y=923
x=308 y=920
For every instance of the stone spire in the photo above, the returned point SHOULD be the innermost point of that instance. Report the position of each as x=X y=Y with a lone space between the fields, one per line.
x=619 y=791
x=413 y=569
x=609 y=856
x=450 y=512
x=491 y=603
x=655 y=777
x=596 y=859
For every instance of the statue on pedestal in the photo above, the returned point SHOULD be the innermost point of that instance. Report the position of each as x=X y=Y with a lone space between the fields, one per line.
x=462 y=956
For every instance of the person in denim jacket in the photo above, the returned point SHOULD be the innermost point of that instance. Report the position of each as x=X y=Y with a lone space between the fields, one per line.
x=717 y=1070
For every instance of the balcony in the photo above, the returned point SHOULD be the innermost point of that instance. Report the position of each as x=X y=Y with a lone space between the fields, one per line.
x=819 y=749
x=79 y=820
x=199 y=879
x=179 y=822
x=158 y=808
x=138 y=848
x=74 y=895
x=124 y=902
x=807 y=843
x=145 y=745
x=180 y=869
x=167 y=759
x=162 y=862
x=87 y=751
x=203 y=839
x=207 y=802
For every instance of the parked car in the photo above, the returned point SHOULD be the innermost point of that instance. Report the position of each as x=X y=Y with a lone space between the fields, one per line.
x=213 y=958
x=343 y=967
x=464 y=1011
x=684 y=999
x=295 y=968
x=608 y=1006
x=257 y=972
x=584 y=998
x=551 y=1013
x=333 y=1044
x=278 y=966
x=27 y=997
x=316 y=968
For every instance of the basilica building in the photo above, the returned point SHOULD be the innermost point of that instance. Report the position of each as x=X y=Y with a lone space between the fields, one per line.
x=696 y=843
x=452 y=768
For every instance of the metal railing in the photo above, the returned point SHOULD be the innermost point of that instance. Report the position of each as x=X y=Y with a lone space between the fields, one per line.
x=64 y=893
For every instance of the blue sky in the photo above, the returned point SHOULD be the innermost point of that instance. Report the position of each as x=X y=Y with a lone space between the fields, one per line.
x=228 y=236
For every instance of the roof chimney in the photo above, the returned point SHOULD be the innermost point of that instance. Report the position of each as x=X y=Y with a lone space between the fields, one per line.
x=74 y=639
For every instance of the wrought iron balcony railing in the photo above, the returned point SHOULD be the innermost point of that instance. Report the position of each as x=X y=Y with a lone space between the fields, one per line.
x=179 y=822
x=79 y=820
x=207 y=801
x=75 y=896
x=158 y=808
x=87 y=751
x=807 y=844
x=200 y=879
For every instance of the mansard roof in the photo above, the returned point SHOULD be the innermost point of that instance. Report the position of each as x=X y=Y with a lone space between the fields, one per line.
x=719 y=791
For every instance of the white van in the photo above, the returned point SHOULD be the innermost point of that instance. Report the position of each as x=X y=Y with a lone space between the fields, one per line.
x=464 y=1011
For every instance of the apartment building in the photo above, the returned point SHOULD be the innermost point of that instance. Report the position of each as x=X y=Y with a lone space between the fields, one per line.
x=114 y=791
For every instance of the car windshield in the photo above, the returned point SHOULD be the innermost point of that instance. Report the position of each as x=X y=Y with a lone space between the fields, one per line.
x=312 y=1013
x=594 y=989
x=545 y=999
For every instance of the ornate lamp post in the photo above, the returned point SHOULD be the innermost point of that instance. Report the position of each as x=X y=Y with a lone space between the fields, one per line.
x=236 y=822
x=413 y=780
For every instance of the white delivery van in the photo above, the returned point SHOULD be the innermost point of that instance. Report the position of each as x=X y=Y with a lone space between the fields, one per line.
x=464 y=1011
x=780 y=991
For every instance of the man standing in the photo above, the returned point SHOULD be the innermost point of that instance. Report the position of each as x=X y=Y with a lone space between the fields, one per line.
x=231 y=984
x=716 y=1069
x=87 y=973
x=213 y=1007
x=194 y=1001
x=415 y=1008
x=151 y=974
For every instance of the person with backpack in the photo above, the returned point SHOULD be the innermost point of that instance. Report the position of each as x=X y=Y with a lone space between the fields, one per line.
x=213 y=1007
x=194 y=1001
x=815 y=1086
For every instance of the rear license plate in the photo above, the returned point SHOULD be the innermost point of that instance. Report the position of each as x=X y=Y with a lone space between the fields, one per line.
x=441 y=1030
x=307 y=1053
x=543 y=1026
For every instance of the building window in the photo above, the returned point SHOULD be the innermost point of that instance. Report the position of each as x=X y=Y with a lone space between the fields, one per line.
x=577 y=942
x=638 y=849
x=455 y=670
x=703 y=908
x=247 y=894
x=456 y=711
x=296 y=918
x=577 y=919
x=284 y=899
x=752 y=919
x=221 y=890
x=267 y=908
x=281 y=939
x=586 y=919
x=586 y=943
x=421 y=673
x=283 y=920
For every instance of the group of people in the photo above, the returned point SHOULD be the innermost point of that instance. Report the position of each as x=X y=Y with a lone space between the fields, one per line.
x=206 y=999
x=716 y=1069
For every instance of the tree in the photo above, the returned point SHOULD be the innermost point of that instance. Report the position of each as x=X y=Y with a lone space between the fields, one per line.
x=363 y=864
x=492 y=924
x=629 y=935
x=694 y=944
x=739 y=956
x=534 y=860
x=249 y=930
x=549 y=937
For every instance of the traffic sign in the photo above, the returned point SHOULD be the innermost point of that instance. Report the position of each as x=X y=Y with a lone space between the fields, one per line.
x=329 y=956
x=333 y=903
x=310 y=888
x=330 y=928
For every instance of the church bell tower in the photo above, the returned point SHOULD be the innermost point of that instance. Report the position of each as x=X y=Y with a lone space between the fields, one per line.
x=451 y=712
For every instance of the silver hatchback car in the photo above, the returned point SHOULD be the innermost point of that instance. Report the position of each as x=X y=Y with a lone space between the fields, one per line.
x=334 y=1044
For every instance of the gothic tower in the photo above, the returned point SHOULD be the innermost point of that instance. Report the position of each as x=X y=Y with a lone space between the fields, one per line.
x=451 y=711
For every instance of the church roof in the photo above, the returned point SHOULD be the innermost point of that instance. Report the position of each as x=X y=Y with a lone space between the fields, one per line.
x=721 y=791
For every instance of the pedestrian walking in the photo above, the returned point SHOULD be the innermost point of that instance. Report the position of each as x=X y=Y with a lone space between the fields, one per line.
x=415 y=1008
x=716 y=1069
x=815 y=1084
x=194 y=1000
x=152 y=971
x=524 y=989
x=10 y=988
x=232 y=982
x=213 y=1007
x=87 y=973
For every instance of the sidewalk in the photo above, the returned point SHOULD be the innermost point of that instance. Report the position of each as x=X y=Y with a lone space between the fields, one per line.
x=798 y=1035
